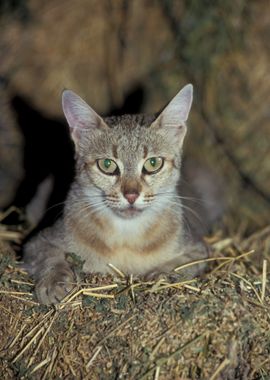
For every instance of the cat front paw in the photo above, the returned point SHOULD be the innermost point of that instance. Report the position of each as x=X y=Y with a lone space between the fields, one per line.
x=54 y=285
x=158 y=274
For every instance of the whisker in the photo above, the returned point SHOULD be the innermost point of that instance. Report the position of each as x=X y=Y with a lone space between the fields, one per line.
x=171 y=201
x=178 y=213
x=55 y=205
x=186 y=208
x=88 y=211
x=177 y=196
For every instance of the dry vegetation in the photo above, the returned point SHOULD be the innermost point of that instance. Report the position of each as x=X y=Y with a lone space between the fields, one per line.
x=113 y=327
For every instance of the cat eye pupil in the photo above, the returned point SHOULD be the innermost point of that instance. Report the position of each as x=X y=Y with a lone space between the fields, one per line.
x=107 y=163
x=153 y=161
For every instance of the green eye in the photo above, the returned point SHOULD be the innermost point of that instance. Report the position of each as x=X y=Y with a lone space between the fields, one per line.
x=153 y=165
x=107 y=166
x=107 y=163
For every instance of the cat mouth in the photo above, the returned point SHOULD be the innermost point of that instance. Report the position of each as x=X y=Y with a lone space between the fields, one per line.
x=129 y=212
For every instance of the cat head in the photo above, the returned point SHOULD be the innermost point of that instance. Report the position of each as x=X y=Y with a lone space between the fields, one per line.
x=128 y=164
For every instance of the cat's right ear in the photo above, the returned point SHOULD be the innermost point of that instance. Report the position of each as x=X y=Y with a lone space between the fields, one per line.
x=80 y=116
x=172 y=120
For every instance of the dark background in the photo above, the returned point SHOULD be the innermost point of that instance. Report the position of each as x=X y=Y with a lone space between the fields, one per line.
x=131 y=56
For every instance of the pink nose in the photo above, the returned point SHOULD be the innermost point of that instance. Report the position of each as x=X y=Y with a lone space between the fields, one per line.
x=131 y=197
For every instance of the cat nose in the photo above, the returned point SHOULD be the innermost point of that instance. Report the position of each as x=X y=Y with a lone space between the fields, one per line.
x=131 y=197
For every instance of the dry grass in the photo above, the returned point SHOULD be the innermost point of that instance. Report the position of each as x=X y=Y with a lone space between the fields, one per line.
x=215 y=327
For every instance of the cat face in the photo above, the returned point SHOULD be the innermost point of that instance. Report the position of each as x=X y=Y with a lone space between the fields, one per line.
x=128 y=164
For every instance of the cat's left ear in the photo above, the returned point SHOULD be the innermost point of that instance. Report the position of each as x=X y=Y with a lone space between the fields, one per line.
x=172 y=120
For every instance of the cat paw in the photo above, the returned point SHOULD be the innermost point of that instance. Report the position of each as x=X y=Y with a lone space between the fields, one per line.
x=55 y=285
x=154 y=275
x=159 y=274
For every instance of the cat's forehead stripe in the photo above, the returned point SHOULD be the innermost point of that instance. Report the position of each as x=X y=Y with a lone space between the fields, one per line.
x=130 y=121
x=145 y=151
x=114 y=150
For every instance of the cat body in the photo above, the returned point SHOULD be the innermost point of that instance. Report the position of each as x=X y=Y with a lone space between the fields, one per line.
x=123 y=207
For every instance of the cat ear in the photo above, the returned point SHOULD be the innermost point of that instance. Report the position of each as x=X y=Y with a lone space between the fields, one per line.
x=80 y=116
x=172 y=120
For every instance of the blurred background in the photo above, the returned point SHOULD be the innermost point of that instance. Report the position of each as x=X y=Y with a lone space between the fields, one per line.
x=134 y=56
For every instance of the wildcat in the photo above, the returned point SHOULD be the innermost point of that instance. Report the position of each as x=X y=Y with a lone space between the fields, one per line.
x=123 y=207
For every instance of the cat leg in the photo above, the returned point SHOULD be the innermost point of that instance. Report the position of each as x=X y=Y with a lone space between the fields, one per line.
x=192 y=253
x=46 y=263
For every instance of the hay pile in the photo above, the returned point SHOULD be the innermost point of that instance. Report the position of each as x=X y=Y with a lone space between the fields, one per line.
x=113 y=327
